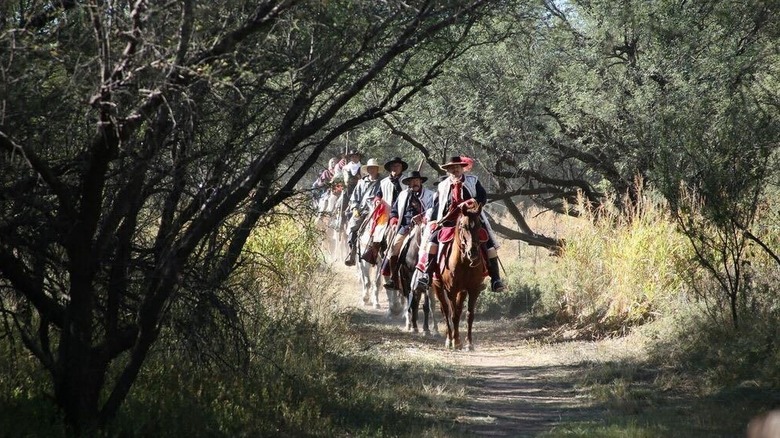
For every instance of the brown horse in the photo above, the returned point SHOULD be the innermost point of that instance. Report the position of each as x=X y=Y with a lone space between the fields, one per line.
x=462 y=275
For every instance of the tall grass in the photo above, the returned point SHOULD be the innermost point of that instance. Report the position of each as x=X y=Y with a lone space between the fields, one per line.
x=620 y=267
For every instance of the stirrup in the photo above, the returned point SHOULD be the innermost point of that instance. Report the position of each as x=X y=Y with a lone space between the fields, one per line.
x=423 y=281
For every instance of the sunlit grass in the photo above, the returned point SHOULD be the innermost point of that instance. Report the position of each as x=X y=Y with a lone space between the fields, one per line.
x=592 y=429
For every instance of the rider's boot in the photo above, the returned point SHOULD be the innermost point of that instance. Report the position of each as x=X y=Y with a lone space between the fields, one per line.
x=424 y=280
x=496 y=284
x=391 y=276
x=350 y=260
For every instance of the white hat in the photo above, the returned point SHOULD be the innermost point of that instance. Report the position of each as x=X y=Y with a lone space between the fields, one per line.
x=372 y=162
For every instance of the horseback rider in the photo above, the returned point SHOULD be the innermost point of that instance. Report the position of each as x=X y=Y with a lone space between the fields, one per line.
x=352 y=169
x=452 y=191
x=320 y=186
x=348 y=170
x=347 y=173
x=408 y=209
x=360 y=202
x=393 y=184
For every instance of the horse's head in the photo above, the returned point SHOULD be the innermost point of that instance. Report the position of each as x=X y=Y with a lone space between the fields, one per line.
x=468 y=226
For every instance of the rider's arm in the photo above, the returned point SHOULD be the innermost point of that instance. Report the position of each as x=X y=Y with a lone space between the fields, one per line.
x=481 y=195
x=357 y=196
x=433 y=213
x=394 y=209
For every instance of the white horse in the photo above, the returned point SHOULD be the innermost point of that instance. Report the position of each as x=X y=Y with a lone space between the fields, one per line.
x=330 y=223
x=371 y=257
x=368 y=270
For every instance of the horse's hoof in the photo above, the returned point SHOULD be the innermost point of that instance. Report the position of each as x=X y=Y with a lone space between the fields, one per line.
x=470 y=347
x=377 y=306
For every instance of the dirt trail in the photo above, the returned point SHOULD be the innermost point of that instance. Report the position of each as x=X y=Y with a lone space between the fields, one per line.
x=517 y=386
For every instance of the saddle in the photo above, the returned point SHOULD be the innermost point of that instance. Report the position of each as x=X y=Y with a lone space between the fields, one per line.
x=446 y=234
x=371 y=254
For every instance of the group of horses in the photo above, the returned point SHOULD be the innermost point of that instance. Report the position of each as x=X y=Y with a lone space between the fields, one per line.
x=458 y=282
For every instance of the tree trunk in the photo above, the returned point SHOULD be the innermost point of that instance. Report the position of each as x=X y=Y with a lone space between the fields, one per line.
x=77 y=386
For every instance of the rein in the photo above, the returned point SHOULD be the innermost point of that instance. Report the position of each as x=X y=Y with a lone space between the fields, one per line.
x=466 y=240
x=468 y=205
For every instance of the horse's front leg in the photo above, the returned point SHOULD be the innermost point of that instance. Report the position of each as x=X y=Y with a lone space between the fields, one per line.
x=446 y=310
x=365 y=286
x=393 y=308
x=428 y=315
x=373 y=279
x=412 y=297
x=472 y=304
x=412 y=305
x=460 y=297
x=408 y=314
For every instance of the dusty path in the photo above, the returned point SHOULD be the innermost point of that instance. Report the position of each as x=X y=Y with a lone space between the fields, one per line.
x=516 y=385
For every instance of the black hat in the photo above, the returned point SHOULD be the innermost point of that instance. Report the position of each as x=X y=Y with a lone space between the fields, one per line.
x=414 y=174
x=353 y=152
x=396 y=160
x=454 y=161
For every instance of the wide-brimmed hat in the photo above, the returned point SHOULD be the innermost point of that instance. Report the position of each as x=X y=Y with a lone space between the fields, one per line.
x=396 y=160
x=414 y=174
x=353 y=152
x=455 y=161
x=372 y=162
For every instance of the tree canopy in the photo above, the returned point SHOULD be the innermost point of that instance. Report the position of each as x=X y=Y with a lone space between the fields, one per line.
x=583 y=98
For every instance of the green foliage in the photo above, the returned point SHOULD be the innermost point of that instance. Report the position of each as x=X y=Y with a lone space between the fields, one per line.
x=716 y=355
x=24 y=395
x=282 y=251
x=584 y=430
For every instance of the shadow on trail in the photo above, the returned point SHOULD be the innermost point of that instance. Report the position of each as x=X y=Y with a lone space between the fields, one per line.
x=523 y=401
x=500 y=400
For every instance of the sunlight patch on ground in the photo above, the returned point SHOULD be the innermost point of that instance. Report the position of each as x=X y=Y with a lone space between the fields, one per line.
x=475 y=419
